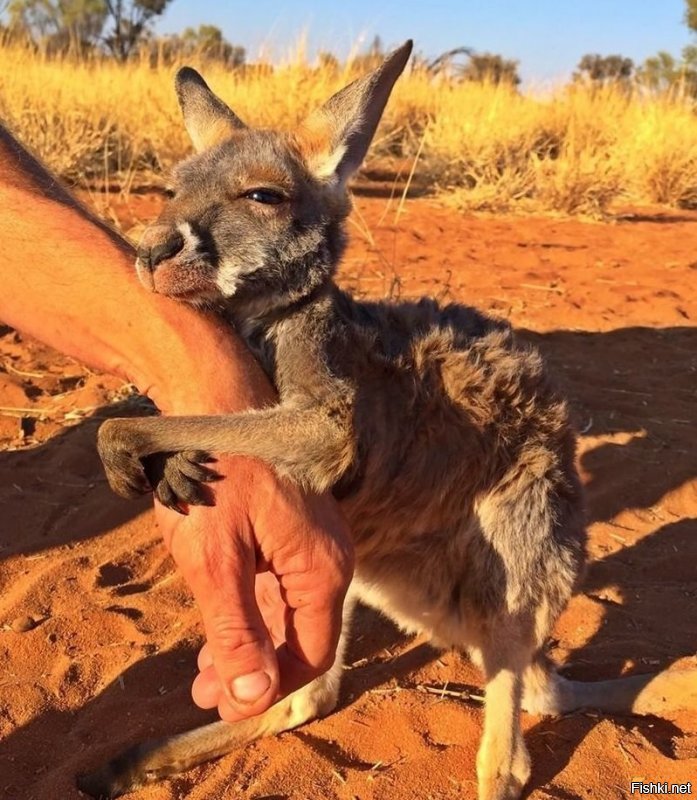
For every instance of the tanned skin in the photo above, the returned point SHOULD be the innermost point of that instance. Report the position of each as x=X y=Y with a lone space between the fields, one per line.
x=63 y=273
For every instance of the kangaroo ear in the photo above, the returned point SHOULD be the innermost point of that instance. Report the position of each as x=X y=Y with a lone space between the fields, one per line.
x=335 y=139
x=207 y=119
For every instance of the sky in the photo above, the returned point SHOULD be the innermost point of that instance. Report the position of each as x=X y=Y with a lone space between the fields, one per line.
x=547 y=37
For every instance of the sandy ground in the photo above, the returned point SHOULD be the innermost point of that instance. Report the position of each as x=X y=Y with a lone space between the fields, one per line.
x=109 y=654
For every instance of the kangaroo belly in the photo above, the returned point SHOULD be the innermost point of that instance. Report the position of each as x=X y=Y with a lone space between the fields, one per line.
x=427 y=580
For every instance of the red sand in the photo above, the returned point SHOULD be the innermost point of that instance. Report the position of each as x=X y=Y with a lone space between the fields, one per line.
x=111 y=653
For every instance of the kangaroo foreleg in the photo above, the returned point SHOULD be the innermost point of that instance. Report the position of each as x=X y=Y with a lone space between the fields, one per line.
x=313 y=447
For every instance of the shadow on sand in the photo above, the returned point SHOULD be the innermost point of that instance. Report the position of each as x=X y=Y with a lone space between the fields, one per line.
x=635 y=385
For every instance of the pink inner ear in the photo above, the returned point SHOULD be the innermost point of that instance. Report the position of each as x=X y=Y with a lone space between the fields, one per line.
x=334 y=140
x=315 y=141
x=314 y=136
x=208 y=120
x=211 y=131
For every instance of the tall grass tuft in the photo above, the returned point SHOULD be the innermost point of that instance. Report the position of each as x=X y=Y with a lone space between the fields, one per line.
x=483 y=146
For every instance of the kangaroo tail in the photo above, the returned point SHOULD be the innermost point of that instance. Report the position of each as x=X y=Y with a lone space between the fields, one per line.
x=547 y=692
x=657 y=694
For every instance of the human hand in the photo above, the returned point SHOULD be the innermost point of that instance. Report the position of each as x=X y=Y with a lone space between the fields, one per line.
x=289 y=629
x=269 y=568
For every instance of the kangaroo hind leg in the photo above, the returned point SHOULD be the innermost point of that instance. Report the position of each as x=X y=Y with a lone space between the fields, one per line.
x=503 y=762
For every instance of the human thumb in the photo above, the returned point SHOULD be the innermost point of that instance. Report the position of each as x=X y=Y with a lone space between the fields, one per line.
x=242 y=678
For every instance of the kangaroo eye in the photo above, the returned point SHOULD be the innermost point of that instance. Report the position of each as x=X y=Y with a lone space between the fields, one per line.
x=268 y=197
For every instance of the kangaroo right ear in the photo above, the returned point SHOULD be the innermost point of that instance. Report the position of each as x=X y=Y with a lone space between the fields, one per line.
x=335 y=139
x=207 y=119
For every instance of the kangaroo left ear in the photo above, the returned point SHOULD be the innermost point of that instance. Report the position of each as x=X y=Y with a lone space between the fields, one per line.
x=335 y=139
x=207 y=119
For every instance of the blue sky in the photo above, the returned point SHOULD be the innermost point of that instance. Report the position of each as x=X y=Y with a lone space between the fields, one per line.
x=547 y=36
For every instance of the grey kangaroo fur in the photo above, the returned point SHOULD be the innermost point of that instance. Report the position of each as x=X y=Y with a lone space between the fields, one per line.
x=449 y=449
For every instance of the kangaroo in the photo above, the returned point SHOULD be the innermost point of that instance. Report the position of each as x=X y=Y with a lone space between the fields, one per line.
x=449 y=449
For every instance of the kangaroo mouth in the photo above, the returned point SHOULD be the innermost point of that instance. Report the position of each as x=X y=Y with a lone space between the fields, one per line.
x=145 y=275
x=183 y=282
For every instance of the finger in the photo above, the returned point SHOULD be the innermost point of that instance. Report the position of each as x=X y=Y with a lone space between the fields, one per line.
x=207 y=693
x=272 y=606
x=242 y=653
x=206 y=689
x=221 y=570
x=313 y=625
x=310 y=648
x=205 y=658
x=295 y=672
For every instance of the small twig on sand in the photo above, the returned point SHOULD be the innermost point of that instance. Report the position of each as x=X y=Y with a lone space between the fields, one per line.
x=22 y=373
x=443 y=691
x=555 y=289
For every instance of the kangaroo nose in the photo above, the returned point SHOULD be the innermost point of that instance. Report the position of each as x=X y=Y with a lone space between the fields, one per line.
x=152 y=256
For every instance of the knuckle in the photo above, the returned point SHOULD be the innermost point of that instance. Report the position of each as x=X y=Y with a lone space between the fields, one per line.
x=196 y=561
x=216 y=559
x=339 y=570
x=232 y=634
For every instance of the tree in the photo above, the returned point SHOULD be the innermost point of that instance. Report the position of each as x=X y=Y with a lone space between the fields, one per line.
x=664 y=72
x=327 y=62
x=691 y=15
x=130 y=23
x=446 y=63
x=490 y=68
x=205 y=42
x=208 y=41
x=59 y=25
x=604 y=69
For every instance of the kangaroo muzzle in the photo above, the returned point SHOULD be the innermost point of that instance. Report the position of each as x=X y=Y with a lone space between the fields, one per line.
x=158 y=244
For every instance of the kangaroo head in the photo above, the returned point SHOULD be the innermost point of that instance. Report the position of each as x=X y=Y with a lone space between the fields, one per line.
x=256 y=218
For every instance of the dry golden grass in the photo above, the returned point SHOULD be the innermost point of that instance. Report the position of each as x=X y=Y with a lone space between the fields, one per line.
x=484 y=146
